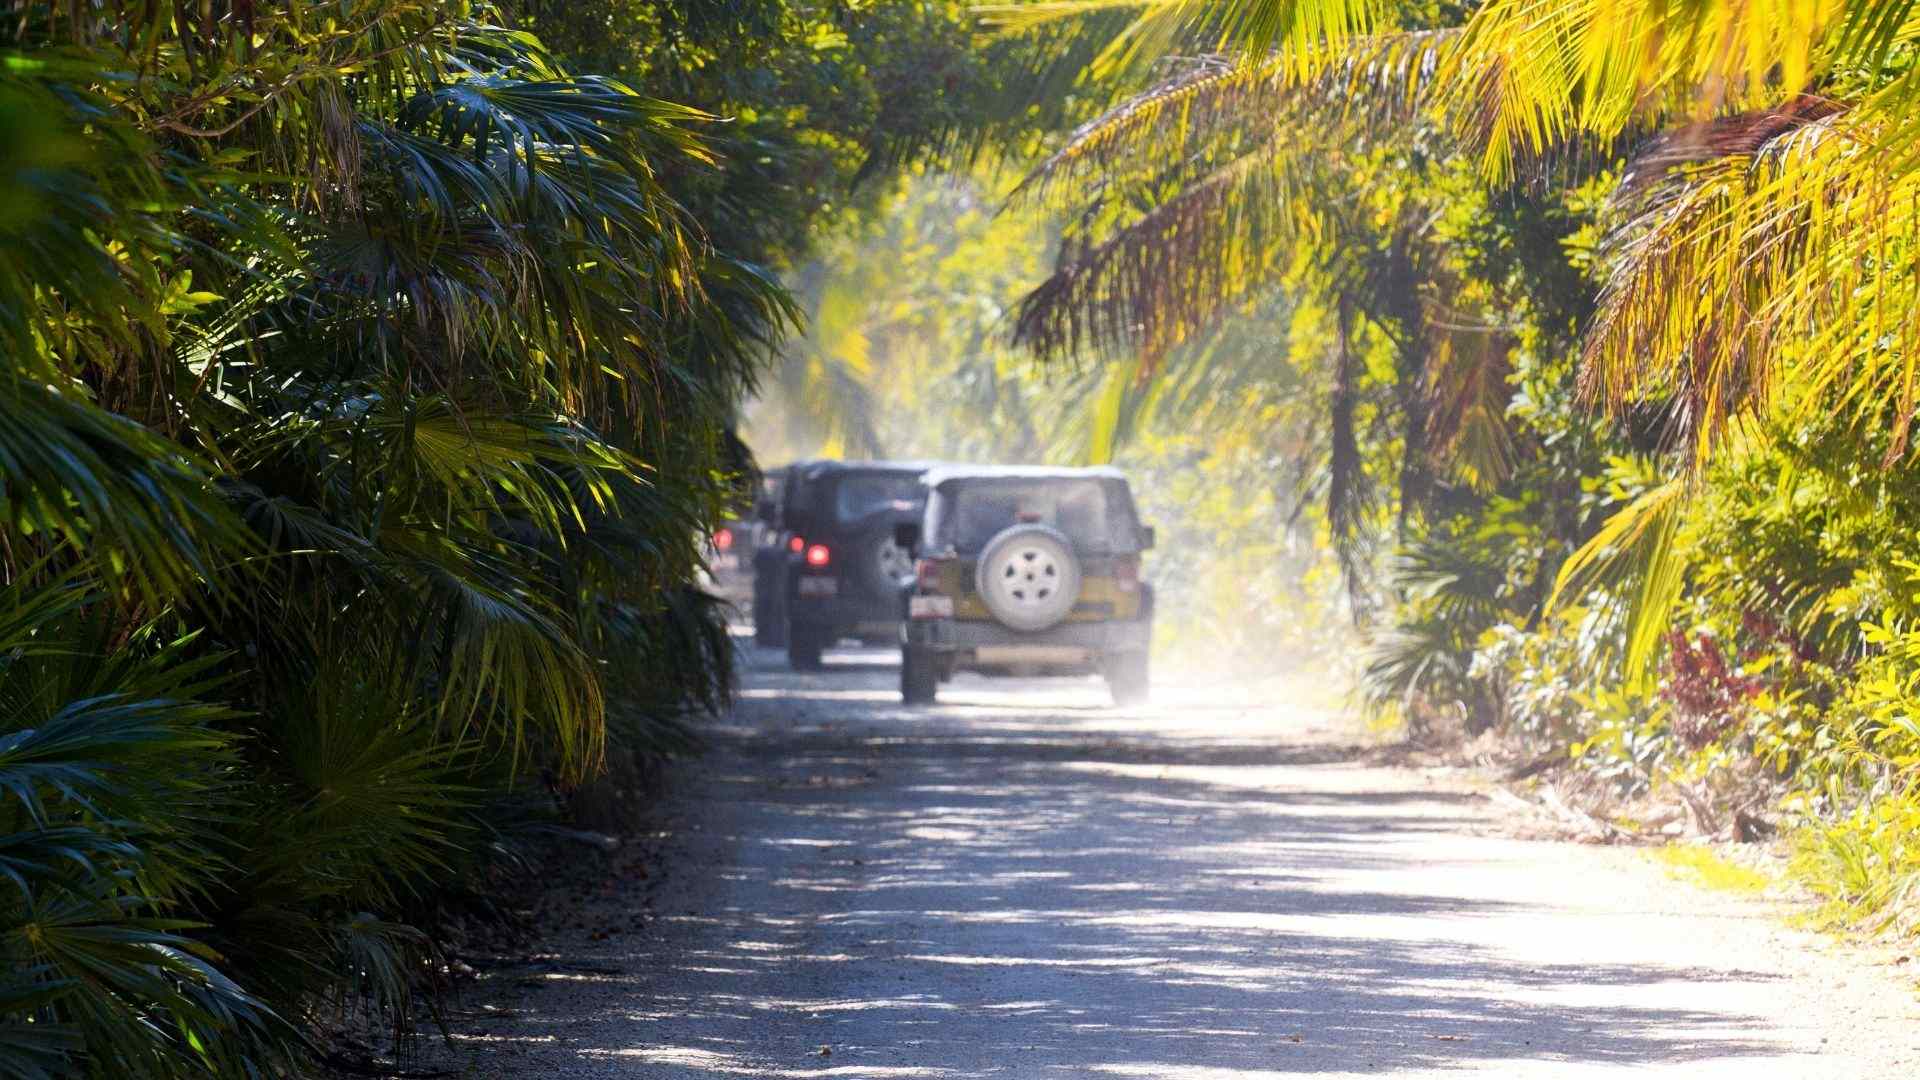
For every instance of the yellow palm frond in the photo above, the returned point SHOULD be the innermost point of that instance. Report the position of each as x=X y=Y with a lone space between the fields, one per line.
x=1795 y=264
x=1297 y=28
x=1530 y=75
x=1372 y=81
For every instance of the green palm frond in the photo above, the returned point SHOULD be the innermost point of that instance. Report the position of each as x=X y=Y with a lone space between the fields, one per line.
x=507 y=660
x=142 y=995
x=74 y=475
x=113 y=803
x=1642 y=552
x=1411 y=659
x=376 y=795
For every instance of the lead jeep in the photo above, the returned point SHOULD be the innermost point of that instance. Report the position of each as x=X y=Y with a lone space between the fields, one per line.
x=1027 y=571
x=841 y=571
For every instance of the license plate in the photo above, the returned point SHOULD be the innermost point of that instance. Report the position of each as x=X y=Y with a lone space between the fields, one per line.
x=819 y=586
x=929 y=607
x=726 y=562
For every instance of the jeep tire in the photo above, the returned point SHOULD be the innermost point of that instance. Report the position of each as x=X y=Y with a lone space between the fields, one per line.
x=919 y=677
x=1127 y=677
x=769 y=626
x=805 y=643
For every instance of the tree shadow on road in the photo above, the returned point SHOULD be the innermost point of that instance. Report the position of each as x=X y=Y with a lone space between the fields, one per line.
x=990 y=899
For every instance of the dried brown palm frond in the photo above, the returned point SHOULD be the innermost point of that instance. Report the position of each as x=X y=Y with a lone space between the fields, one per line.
x=1792 y=264
x=1173 y=271
x=1739 y=135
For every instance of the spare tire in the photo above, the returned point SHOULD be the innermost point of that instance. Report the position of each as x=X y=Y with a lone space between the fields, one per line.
x=884 y=565
x=1028 y=577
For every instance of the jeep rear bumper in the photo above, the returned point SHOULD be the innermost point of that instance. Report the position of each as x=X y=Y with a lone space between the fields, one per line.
x=1096 y=638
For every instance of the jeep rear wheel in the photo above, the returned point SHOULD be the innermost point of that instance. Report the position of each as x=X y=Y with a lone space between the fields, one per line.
x=1127 y=678
x=805 y=643
x=769 y=626
x=919 y=679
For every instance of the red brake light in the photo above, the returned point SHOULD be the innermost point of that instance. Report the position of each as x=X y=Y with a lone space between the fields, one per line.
x=818 y=555
x=1126 y=572
x=723 y=539
x=796 y=545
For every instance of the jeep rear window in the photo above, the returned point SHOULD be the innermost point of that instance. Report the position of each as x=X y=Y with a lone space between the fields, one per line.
x=860 y=496
x=1078 y=508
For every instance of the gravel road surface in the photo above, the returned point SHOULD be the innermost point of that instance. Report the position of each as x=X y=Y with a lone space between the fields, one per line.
x=1026 y=883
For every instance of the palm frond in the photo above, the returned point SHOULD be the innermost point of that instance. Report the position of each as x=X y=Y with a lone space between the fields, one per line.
x=1641 y=553
x=1786 y=265
x=1529 y=76
x=76 y=475
x=1300 y=28
x=1368 y=84
x=1163 y=278
x=1467 y=428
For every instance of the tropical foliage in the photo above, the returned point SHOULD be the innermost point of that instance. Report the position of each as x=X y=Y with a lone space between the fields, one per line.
x=369 y=377
x=1616 y=397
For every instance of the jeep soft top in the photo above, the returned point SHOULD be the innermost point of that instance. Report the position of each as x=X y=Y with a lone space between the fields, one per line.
x=1092 y=507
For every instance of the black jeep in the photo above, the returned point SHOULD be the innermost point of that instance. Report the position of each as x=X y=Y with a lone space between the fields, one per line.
x=839 y=570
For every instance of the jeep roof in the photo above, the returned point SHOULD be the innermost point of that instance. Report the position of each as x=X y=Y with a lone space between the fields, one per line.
x=942 y=474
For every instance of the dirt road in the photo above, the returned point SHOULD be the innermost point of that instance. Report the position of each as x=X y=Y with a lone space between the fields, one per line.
x=1024 y=883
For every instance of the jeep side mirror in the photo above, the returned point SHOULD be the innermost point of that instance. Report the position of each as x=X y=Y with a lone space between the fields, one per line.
x=1146 y=538
x=906 y=535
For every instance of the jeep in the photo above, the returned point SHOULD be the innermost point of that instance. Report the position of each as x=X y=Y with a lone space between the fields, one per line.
x=1026 y=571
x=840 y=572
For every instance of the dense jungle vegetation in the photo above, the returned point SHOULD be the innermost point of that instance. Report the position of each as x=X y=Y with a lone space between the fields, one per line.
x=1565 y=351
x=370 y=373
x=373 y=368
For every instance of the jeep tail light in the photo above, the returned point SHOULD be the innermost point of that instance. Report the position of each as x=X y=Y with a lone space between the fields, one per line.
x=1126 y=572
x=926 y=573
x=818 y=555
x=723 y=540
x=796 y=545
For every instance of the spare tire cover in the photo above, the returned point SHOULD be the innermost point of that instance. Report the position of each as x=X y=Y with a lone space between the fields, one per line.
x=1028 y=577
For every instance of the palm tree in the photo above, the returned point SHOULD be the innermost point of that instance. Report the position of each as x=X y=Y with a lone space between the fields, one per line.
x=1755 y=241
